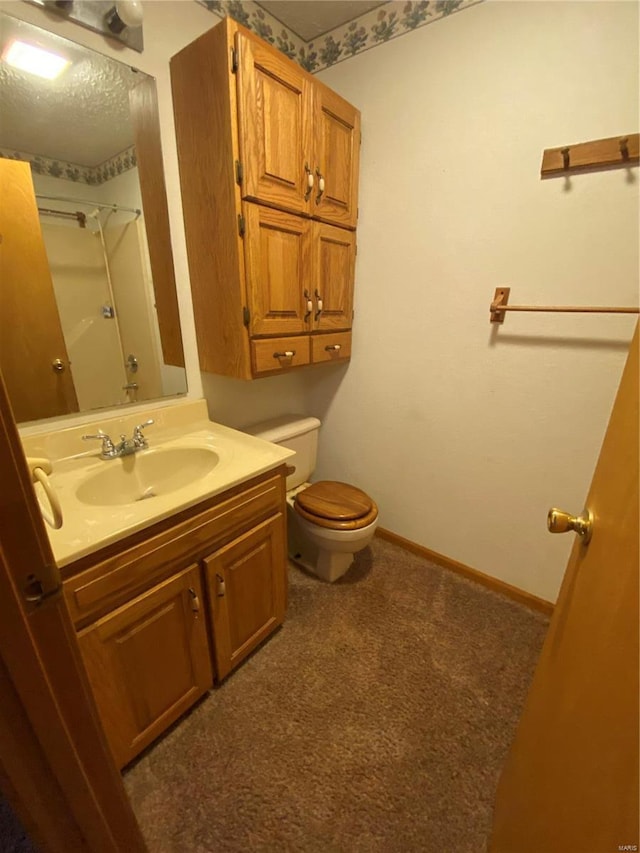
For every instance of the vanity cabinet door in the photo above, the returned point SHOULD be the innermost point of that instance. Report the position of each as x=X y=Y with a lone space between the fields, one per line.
x=246 y=583
x=148 y=661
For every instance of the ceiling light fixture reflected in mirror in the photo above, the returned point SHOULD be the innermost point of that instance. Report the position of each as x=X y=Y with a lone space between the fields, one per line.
x=35 y=60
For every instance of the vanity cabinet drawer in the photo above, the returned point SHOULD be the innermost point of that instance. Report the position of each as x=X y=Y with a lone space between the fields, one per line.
x=334 y=347
x=275 y=355
x=113 y=581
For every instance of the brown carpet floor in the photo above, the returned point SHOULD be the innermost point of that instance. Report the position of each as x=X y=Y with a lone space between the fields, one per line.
x=376 y=720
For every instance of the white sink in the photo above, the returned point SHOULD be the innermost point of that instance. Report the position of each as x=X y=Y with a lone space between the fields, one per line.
x=146 y=475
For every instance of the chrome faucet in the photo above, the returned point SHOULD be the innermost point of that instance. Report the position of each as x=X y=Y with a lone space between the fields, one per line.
x=126 y=446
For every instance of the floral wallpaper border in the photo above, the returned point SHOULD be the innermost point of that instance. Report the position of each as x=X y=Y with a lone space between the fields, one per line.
x=386 y=22
x=93 y=176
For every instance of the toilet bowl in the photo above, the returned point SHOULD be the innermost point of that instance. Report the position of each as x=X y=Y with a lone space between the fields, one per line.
x=328 y=521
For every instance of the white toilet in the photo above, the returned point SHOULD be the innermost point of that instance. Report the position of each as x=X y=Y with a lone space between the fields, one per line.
x=328 y=521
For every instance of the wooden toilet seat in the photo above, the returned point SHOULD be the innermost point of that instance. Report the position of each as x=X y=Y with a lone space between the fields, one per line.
x=337 y=506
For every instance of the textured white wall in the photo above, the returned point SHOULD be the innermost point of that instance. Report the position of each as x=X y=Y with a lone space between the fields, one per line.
x=466 y=434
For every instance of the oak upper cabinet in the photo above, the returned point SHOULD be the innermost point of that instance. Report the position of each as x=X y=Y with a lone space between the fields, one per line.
x=247 y=592
x=269 y=174
x=299 y=141
x=148 y=661
x=299 y=273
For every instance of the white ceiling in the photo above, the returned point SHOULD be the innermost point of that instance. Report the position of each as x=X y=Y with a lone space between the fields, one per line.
x=83 y=117
x=312 y=18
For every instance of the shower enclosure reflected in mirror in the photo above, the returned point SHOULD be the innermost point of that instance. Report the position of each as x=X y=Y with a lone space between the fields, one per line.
x=92 y=138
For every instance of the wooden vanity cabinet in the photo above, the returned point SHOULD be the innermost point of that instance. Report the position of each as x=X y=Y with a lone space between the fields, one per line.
x=269 y=175
x=160 y=612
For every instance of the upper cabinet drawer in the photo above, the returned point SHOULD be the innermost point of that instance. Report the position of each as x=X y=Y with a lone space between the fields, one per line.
x=299 y=142
x=277 y=355
x=336 y=347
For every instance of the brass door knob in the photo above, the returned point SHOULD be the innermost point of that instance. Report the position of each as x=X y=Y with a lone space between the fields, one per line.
x=559 y=521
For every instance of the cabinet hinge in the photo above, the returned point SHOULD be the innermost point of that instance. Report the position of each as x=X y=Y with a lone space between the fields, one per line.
x=241 y=225
x=234 y=61
x=239 y=172
x=245 y=315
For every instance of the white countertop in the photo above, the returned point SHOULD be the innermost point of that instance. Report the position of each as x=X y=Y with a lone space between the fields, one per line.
x=87 y=528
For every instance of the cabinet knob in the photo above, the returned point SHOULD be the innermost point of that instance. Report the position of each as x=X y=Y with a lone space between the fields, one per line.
x=319 y=304
x=333 y=348
x=289 y=353
x=221 y=589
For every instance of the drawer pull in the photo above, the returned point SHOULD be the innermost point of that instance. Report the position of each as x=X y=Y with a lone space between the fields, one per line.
x=195 y=601
x=221 y=588
x=333 y=347
x=289 y=353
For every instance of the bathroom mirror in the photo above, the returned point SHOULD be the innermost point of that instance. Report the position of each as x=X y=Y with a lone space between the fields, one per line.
x=92 y=137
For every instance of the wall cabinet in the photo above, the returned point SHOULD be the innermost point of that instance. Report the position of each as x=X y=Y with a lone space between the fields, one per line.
x=269 y=175
x=299 y=141
x=146 y=608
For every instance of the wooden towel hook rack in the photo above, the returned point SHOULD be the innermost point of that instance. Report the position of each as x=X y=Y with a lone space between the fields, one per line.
x=500 y=306
x=614 y=152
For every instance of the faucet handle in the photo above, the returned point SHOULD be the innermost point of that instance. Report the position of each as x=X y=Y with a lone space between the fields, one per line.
x=107 y=444
x=138 y=436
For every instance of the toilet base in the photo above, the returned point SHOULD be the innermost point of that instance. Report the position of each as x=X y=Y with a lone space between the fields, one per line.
x=326 y=565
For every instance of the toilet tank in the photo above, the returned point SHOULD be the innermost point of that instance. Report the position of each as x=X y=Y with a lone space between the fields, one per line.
x=297 y=433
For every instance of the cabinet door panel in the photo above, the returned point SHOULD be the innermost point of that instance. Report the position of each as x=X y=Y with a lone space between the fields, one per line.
x=274 y=115
x=246 y=584
x=277 y=263
x=334 y=253
x=148 y=662
x=337 y=156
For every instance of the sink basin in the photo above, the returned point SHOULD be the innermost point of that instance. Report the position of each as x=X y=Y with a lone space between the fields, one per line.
x=146 y=475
